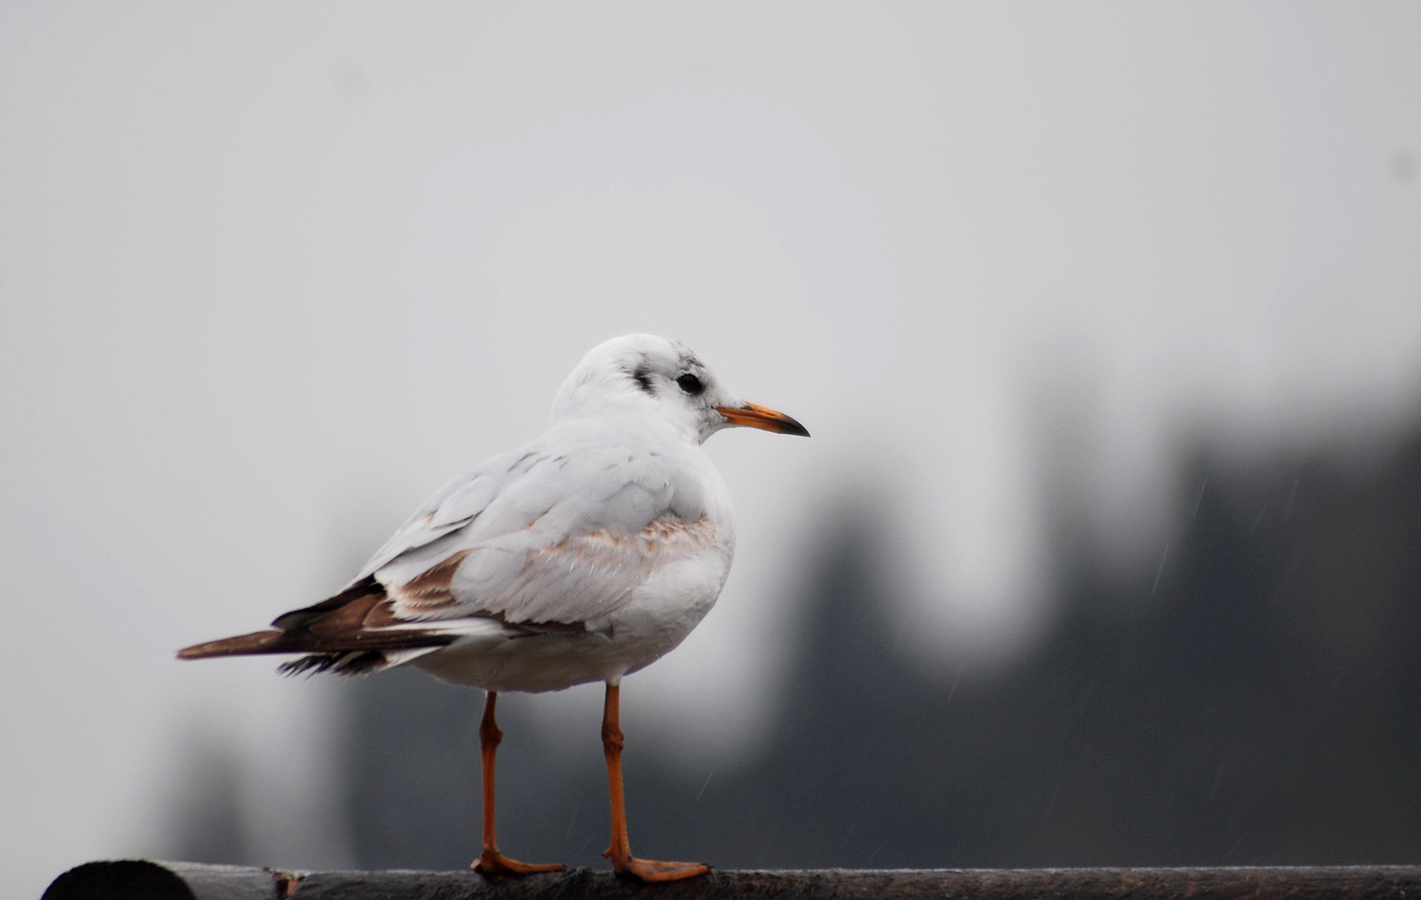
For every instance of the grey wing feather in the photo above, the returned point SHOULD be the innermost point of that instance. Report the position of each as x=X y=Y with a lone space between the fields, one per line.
x=453 y=506
x=533 y=536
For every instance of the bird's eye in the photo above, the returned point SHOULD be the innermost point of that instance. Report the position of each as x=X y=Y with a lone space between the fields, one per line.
x=690 y=384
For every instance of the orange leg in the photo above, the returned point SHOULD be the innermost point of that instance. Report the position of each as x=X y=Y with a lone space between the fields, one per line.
x=620 y=852
x=491 y=862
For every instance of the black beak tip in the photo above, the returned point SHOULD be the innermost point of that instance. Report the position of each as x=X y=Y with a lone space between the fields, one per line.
x=792 y=426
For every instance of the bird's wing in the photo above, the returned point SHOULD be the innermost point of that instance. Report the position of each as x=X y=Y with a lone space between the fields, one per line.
x=453 y=506
x=543 y=536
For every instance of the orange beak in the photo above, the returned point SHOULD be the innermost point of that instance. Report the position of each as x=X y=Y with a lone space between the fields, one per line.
x=762 y=417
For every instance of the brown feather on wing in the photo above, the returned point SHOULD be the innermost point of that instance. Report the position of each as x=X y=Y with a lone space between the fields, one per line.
x=434 y=587
x=297 y=617
x=356 y=619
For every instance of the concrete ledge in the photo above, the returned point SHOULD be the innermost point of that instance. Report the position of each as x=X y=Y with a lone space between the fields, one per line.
x=153 y=880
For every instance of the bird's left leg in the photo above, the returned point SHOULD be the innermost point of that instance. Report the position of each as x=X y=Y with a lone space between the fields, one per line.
x=491 y=862
x=620 y=851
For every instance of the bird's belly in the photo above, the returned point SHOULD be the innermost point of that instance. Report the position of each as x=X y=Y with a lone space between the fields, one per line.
x=657 y=617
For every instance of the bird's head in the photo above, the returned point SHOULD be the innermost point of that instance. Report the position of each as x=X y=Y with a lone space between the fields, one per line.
x=642 y=374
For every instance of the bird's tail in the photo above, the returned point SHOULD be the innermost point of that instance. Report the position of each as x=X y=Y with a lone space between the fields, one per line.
x=268 y=641
x=350 y=634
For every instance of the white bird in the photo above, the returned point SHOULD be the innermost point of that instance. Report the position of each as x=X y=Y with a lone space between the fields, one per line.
x=584 y=555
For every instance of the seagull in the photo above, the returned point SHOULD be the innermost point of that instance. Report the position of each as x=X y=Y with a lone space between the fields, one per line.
x=582 y=556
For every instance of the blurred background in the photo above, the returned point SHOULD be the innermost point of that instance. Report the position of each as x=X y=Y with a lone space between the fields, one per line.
x=1106 y=319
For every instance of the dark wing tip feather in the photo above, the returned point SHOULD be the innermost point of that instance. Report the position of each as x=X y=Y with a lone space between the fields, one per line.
x=355 y=662
x=298 y=618
x=346 y=634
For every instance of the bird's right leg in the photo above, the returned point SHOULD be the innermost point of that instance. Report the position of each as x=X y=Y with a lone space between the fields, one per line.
x=491 y=862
